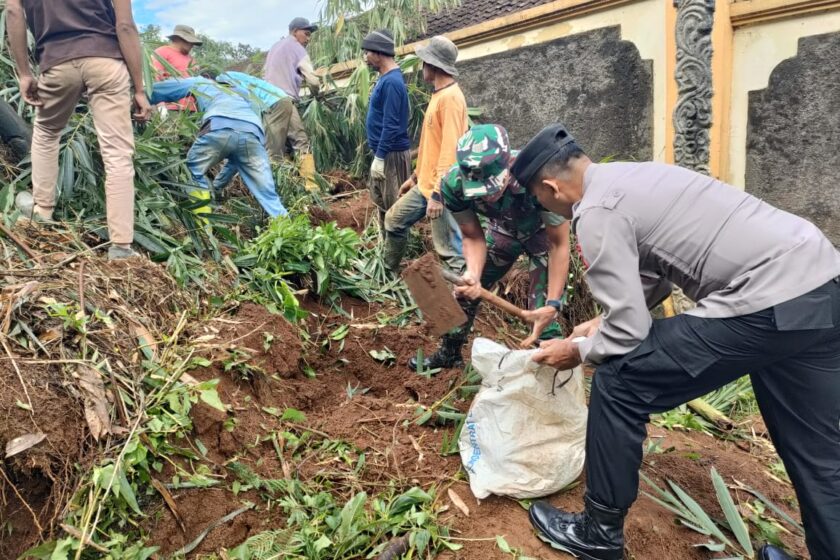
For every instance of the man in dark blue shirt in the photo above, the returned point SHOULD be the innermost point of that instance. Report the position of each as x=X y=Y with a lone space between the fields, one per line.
x=387 y=123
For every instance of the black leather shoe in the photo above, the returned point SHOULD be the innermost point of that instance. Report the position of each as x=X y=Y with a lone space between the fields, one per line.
x=595 y=534
x=770 y=552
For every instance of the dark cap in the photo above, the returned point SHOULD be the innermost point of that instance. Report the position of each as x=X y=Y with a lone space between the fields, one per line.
x=539 y=151
x=301 y=23
x=380 y=41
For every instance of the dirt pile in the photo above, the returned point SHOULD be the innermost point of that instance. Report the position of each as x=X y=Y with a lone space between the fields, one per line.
x=351 y=209
x=55 y=306
x=343 y=389
x=433 y=295
x=359 y=404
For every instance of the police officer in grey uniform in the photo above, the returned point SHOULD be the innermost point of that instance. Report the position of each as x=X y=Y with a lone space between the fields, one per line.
x=767 y=287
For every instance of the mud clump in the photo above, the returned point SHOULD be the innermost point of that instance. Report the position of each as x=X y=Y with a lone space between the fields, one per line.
x=433 y=295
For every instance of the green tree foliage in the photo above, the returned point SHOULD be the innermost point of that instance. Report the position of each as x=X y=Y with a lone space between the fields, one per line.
x=346 y=22
x=212 y=54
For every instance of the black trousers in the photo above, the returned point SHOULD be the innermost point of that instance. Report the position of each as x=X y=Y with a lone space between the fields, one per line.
x=792 y=353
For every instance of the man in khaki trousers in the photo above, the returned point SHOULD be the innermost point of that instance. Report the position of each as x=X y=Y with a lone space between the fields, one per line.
x=82 y=46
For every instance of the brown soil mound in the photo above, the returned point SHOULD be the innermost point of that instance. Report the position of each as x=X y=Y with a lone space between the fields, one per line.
x=371 y=405
x=46 y=391
x=351 y=209
x=360 y=399
x=342 y=181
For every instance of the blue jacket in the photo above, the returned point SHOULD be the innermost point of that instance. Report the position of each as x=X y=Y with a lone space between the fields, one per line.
x=387 y=118
x=215 y=100
x=264 y=93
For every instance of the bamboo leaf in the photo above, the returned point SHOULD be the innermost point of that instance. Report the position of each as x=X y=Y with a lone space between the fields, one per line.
x=733 y=518
x=127 y=492
x=699 y=513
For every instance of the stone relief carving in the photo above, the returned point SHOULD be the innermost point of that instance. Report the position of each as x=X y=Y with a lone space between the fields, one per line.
x=693 y=113
x=594 y=82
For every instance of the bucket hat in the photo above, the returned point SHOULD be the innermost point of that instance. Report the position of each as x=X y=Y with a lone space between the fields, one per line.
x=441 y=53
x=186 y=33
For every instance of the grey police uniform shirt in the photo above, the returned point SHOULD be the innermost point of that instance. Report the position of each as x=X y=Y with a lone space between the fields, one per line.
x=643 y=226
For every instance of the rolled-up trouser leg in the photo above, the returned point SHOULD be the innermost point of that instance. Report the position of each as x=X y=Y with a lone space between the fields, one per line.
x=406 y=211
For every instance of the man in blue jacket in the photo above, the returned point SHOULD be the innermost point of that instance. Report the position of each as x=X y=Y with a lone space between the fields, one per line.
x=231 y=129
x=277 y=109
x=387 y=123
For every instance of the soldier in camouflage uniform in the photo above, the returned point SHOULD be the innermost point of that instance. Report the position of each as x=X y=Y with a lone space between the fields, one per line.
x=480 y=185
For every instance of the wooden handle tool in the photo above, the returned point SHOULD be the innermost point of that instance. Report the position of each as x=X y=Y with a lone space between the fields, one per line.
x=488 y=296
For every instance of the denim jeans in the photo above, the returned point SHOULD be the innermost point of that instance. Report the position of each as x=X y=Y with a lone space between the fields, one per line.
x=446 y=235
x=246 y=155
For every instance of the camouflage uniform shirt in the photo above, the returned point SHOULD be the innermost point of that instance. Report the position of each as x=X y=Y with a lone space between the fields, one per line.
x=517 y=213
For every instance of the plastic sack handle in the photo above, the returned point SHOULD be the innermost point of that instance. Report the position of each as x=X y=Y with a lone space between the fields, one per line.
x=554 y=385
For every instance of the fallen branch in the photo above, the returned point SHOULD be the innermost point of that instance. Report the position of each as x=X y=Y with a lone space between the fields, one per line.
x=278 y=448
x=75 y=533
x=711 y=414
x=17 y=371
x=20 y=243
x=170 y=502
x=202 y=535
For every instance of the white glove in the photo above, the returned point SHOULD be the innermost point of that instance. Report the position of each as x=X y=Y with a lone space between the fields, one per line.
x=377 y=168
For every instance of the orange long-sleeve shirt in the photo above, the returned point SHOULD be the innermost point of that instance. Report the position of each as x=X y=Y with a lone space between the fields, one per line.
x=444 y=124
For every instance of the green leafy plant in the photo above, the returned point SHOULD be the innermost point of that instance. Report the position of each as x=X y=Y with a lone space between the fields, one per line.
x=346 y=22
x=363 y=526
x=693 y=516
x=291 y=250
x=502 y=544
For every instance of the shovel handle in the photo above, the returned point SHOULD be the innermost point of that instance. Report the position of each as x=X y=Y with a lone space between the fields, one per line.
x=487 y=296
x=503 y=304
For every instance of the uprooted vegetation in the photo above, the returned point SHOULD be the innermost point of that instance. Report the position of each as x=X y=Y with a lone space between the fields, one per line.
x=189 y=422
x=244 y=395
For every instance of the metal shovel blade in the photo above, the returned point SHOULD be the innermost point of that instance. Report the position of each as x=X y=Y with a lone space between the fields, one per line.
x=433 y=295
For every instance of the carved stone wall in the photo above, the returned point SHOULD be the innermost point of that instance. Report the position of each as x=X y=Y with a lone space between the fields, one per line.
x=793 y=135
x=593 y=82
x=693 y=113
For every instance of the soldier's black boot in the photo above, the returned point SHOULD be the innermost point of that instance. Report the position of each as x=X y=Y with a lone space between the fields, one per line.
x=595 y=534
x=770 y=552
x=448 y=354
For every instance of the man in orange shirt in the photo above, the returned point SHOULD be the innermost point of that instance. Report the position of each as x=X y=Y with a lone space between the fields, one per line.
x=176 y=56
x=444 y=124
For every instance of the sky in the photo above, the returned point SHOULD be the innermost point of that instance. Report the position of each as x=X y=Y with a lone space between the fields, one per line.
x=258 y=23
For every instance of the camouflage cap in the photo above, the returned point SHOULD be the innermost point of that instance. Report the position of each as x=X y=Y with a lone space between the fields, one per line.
x=483 y=156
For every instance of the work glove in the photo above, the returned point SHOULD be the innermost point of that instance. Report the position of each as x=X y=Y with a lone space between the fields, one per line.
x=377 y=169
